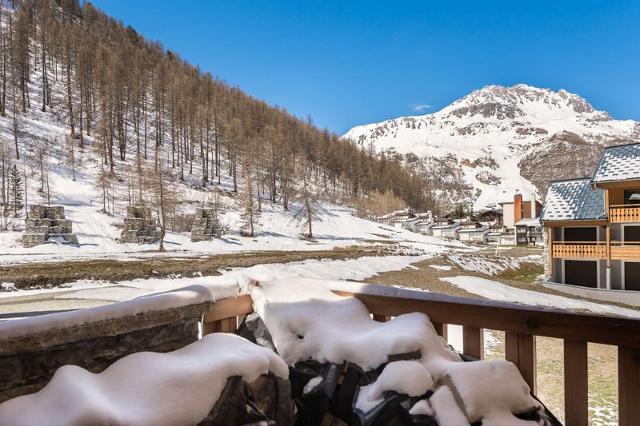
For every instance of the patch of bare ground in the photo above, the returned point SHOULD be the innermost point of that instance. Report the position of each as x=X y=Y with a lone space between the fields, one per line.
x=602 y=363
x=422 y=276
x=49 y=274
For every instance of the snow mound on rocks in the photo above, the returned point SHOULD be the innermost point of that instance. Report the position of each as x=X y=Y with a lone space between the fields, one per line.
x=145 y=388
x=308 y=321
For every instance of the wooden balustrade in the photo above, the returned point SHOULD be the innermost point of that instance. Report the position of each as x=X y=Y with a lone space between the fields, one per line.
x=579 y=250
x=624 y=213
x=625 y=251
x=520 y=323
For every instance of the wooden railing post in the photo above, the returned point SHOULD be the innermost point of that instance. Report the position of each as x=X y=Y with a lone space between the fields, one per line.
x=473 y=342
x=628 y=386
x=212 y=327
x=521 y=350
x=550 y=256
x=441 y=329
x=576 y=404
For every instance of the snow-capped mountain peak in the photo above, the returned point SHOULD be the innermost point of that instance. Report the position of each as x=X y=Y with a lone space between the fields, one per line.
x=490 y=142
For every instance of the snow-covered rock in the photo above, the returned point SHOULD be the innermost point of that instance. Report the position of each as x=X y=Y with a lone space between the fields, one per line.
x=307 y=321
x=145 y=388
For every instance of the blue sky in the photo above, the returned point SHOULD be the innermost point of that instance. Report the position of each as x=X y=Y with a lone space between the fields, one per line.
x=355 y=62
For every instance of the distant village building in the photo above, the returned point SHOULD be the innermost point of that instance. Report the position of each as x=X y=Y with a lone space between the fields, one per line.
x=490 y=215
x=446 y=229
x=593 y=224
x=518 y=209
x=47 y=224
x=473 y=232
x=529 y=232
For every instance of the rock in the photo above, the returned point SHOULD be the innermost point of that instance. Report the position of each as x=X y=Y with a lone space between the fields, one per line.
x=205 y=225
x=47 y=224
x=139 y=226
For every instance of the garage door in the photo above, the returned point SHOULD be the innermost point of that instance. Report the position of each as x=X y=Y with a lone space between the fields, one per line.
x=632 y=276
x=580 y=272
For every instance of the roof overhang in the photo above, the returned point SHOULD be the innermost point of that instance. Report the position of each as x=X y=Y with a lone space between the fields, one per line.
x=557 y=223
x=612 y=184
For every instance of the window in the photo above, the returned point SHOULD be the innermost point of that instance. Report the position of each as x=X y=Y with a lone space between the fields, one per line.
x=580 y=234
x=631 y=233
x=632 y=196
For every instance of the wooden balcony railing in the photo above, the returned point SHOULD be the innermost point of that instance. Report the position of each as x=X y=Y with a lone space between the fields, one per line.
x=520 y=323
x=625 y=250
x=579 y=250
x=624 y=213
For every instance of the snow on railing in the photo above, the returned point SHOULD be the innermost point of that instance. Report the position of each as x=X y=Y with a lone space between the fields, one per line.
x=520 y=323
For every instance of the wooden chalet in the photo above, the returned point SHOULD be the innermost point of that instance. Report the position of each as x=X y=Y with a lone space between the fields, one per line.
x=593 y=224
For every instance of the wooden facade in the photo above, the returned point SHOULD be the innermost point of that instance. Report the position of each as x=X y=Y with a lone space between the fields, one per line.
x=605 y=247
x=521 y=325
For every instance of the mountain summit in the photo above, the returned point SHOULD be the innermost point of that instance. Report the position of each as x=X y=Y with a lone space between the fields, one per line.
x=499 y=140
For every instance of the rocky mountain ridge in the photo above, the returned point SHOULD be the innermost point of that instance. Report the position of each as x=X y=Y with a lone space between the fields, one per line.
x=499 y=140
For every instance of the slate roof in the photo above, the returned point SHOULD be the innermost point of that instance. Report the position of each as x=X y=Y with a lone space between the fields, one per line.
x=573 y=200
x=450 y=226
x=529 y=222
x=481 y=229
x=621 y=162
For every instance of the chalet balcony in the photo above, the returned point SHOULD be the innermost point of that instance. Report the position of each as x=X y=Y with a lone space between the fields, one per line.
x=587 y=250
x=624 y=213
x=521 y=325
x=625 y=250
x=596 y=250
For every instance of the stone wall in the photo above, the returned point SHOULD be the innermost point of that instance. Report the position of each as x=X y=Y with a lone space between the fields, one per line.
x=28 y=362
x=205 y=225
x=47 y=223
x=139 y=226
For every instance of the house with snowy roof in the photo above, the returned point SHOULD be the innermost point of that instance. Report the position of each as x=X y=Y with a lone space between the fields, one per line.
x=593 y=224
x=473 y=232
x=446 y=230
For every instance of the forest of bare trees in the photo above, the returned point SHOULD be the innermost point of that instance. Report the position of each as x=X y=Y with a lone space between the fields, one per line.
x=146 y=108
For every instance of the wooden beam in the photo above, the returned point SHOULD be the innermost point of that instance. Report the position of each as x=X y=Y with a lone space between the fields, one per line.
x=576 y=404
x=231 y=307
x=473 y=342
x=521 y=350
x=628 y=386
x=550 y=250
x=624 y=184
x=608 y=231
x=559 y=223
x=510 y=317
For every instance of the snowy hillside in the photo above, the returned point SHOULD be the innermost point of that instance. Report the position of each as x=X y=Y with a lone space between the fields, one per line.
x=502 y=140
x=97 y=232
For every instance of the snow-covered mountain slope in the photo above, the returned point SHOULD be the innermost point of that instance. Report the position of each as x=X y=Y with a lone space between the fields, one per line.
x=500 y=140
x=77 y=188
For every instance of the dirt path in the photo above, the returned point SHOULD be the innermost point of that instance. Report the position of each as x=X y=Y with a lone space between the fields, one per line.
x=49 y=274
